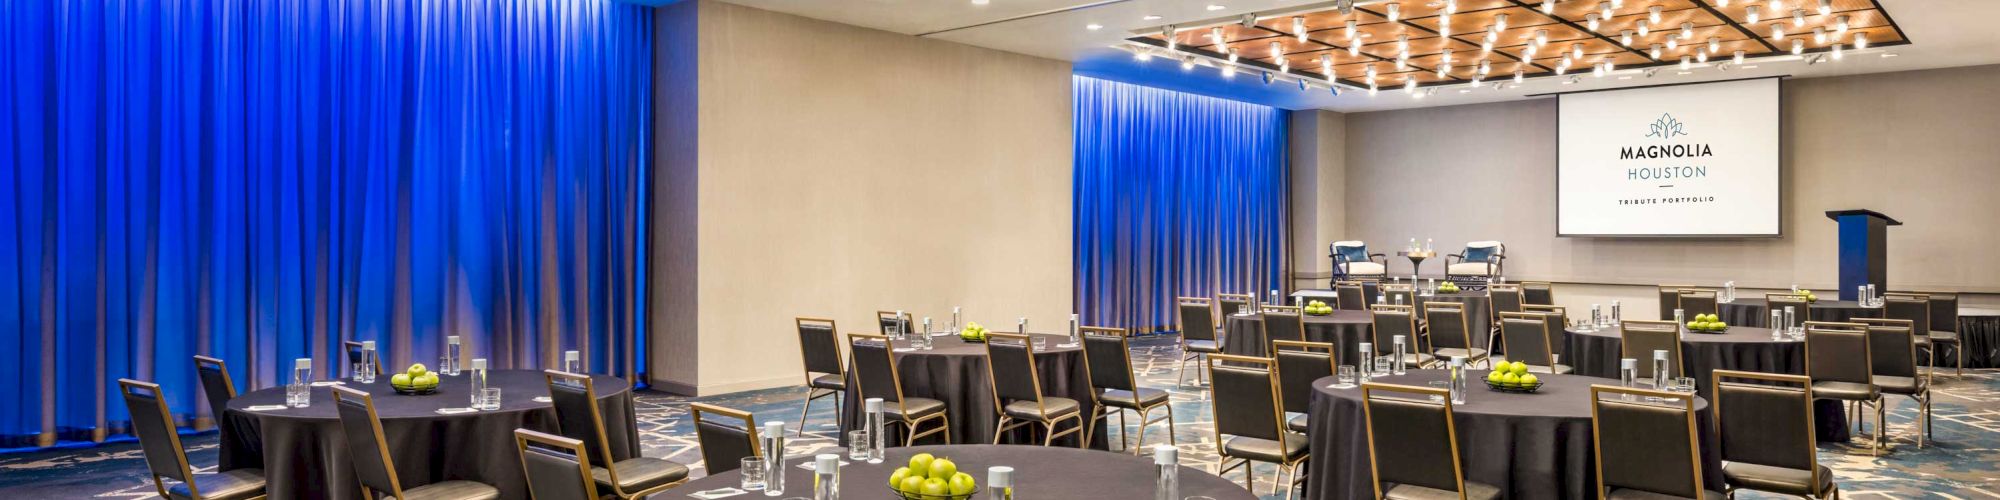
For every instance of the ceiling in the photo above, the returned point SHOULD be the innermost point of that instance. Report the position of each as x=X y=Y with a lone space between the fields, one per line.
x=1938 y=33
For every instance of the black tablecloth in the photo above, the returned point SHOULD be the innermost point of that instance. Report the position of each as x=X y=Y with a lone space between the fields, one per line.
x=1529 y=445
x=1244 y=335
x=304 y=454
x=1042 y=473
x=954 y=372
x=1980 y=335
x=1754 y=311
x=1742 y=348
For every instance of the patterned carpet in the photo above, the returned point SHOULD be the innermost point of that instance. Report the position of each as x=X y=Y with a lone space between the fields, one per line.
x=1960 y=462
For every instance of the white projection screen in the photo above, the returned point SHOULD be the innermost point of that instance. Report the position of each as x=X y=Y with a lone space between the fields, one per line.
x=1695 y=160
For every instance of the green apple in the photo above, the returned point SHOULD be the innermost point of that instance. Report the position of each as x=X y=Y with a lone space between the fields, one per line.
x=417 y=370
x=920 y=464
x=943 y=468
x=1510 y=379
x=936 y=488
x=1519 y=368
x=400 y=380
x=428 y=380
x=913 y=485
x=962 y=484
x=896 y=478
x=1495 y=375
x=1529 y=379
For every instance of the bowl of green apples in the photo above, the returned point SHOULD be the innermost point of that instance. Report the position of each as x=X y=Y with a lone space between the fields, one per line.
x=1512 y=377
x=932 y=478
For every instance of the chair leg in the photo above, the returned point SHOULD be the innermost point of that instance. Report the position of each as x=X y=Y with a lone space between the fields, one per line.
x=1170 y=426
x=804 y=411
x=1875 y=448
x=999 y=428
x=1127 y=442
x=1959 y=348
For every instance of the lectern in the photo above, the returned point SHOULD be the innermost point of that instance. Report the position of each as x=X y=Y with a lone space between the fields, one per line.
x=1864 y=249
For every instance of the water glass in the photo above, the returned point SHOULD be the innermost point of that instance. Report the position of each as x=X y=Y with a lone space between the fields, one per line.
x=1041 y=343
x=857 y=445
x=298 y=395
x=754 y=470
x=1344 y=378
x=1382 y=365
x=1442 y=385
x=489 y=398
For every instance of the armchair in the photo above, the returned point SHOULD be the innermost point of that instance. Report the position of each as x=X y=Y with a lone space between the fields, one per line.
x=1479 y=259
x=1351 y=260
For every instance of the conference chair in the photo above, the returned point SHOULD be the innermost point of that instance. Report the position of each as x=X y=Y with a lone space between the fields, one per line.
x=1528 y=341
x=167 y=460
x=1401 y=294
x=1801 y=310
x=1944 y=328
x=1892 y=351
x=1697 y=301
x=1198 y=339
x=1645 y=450
x=1421 y=439
x=1108 y=361
x=216 y=385
x=1538 y=292
x=557 y=468
x=1351 y=259
x=354 y=355
x=1670 y=299
x=1503 y=298
x=368 y=452
x=1250 y=420
x=1390 y=321
x=1017 y=391
x=1450 y=336
x=1558 y=325
x=1917 y=310
x=1841 y=366
x=579 y=418
x=726 y=441
x=1299 y=364
x=1638 y=339
x=1282 y=324
x=1479 y=259
x=890 y=322
x=1764 y=425
x=819 y=349
x=1233 y=303
x=1349 y=295
x=872 y=358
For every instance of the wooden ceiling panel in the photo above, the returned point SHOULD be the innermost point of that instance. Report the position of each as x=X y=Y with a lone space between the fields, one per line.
x=1386 y=48
x=1260 y=49
x=1477 y=21
x=1579 y=10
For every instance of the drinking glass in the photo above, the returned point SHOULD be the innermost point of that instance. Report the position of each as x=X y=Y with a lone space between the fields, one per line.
x=1041 y=343
x=489 y=398
x=857 y=445
x=754 y=469
x=1442 y=385
x=1382 y=365
x=1344 y=378
x=298 y=395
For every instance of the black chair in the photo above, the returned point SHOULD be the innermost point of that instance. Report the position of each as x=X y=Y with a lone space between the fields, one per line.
x=1450 y=335
x=557 y=467
x=1502 y=298
x=872 y=358
x=1349 y=295
x=1917 y=310
x=1108 y=360
x=1695 y=301
x=724 y=443
x=354 y=349
x=1764 y=424
x=1351 y=259
x=368 y=449
x=1527 y=338
x=1638 y=339
x=1646 y=450
x=1248 y=412
x=1479 y=259
x=1299 y=364
x=167 y=460
x=819 y=347
x=1670 y=299
x=216 y=385
x=1198 y=339
x=1944 y=328
x=1401 y=294
x=891 y=322
x=1892 y=351
x=1422 y=440
x=1538 y=292
x=1017 y=391
x=1390 y=321
x=1282 y=323
x=1233 y=302
x=577 y=414
x=1841 y=366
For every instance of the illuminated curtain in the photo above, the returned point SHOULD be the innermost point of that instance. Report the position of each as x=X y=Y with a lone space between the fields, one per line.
x=261 y=180
x=1175 y=195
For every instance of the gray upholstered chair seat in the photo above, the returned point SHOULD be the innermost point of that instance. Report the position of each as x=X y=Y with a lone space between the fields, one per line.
x=1265 y=450
x=1468 y=269
x=1365 y=268
x=1473 y=491
x=1848 y=391
x=830 y=381
x=1204 y=346
x=452 y=490
x=1051 y=407
x=231 y=485
x=1631 y=494
x=913 y=408
x=1126 y=399
x=1559 y=369
x=640 y=473
x=1775 y=479
x=1470 y=354
x=1298 y=422
x=1418 y=359
x=1899 y=385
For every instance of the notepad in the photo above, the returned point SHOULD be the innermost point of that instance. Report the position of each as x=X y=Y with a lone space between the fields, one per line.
x=544 y=399
x=266 y=408
x=454 y=411
x=717 y=493
x=325 y=383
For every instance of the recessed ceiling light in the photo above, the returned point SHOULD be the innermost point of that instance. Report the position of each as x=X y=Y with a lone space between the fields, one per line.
x=1888 y=54
x=1093 y=26
x=1215 y=6
x=1151 y=17
x=980 y=2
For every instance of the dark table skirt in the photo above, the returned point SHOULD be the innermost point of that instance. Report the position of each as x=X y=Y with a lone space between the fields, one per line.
x=1040 y=473
x=1244 y=335
x=1754 y=311
x=1478 y=317
x=954 y=372
x=1742 y=348
x=304 y=453
x=1980 y=335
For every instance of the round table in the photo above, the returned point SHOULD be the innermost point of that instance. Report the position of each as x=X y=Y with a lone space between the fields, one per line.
x=304 y=453
x=1528 y=445
x=1244 y=335
x=1040 y=472
x=1979 y=335
x=954 y=371
x=1741 y=348
x=1755 y=311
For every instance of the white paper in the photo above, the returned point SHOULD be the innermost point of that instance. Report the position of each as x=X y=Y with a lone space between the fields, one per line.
x=454 y=411
x=266 y=408
x=717 y=493
x=326 y=383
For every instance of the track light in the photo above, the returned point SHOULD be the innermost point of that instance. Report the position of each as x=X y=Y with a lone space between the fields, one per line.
x=1450 y=6
x=1687 y=31
x=1519 y=76
x=1655 y=53
x=1485 y=67
x=1701 y=57
x=1597 y=70
x=1653 y=14
x=1591 y=20
x=1142 y=55
x=1247 y=20
x=1187 y=63
x=1372 y=89
x=1168 y=32
x=1371 y=74
x=1351 y=27
x=1625 y=37
x=1354 y=48
x=1798 y=47
x=1541 y=37
x=1268 y=78
x=1840 y=25
x=1576 y=50
x=1232 y=54
x=1499 y=22
x=1605 y=9
x=1778 y=31
x=1228 y=71
x=1738 y=59
x=1409 y=85
x=1304 y=85
x=1819 y=35
x=1444 y=26
x=1715 y=44
x=1825 y=7
x=1673 y=42
x=1645 y=27
x=1751 y=13
x=1346 y=7
x=1798 y=17
x=1215 y=36
x=1837 y=53
x=1687 y=62
x=1394 y=12
x=1548 y=6
x=1299 y=27
x=1721 y=3
x=1610 y=65
x=1860 y=41
x=1561 y=68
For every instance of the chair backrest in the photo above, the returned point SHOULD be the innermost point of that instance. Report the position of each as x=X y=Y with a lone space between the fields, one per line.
x=577 y=416
x=1419 y=435
x=1914 y=308
x=1108 y=358
x=1350 y=251
x=1447 y=325
x=1349 y=295
x=1697 y=301
x=1645 y=446
x=1390 y=321
x=1801 y=309
x=1197 y=319
x=1670 y=299
x=1399 y=293
x=1838 y=352
x=1233 y=302
x=1010 y=367
x=1299 y=364
x=354 y=348
x=819 y=346
x=1526 y=336
x=1247 y=397
x=1639 y=338
x=1892 y=347
x=872 y=359
x=1538 y=292
x=1481 y=251
x=154 y=425
x=557 y=467
x=216 y=384
x=1557 y=314
x=367 y=447
x=1283 y=325
x=1765 y=419
x=1944 y=312
x=889 y=322
x=725 y=442
x=1505 y=298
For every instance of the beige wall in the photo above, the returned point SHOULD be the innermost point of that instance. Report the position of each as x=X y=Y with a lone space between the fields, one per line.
x=1918 y=146
x=843 y=170
x=1319 y=177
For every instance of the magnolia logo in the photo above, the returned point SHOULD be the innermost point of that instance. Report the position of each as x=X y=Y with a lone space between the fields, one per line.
x=1666 y=127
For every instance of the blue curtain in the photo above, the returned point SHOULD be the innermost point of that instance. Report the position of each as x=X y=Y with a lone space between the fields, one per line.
x=261 y=180
x=1176 y=195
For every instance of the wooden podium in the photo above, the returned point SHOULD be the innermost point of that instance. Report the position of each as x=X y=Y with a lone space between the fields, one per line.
x=1864 y=250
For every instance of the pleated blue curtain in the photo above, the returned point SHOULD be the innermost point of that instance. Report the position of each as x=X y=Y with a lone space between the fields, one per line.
x=261 y=180
x=1176 y=195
